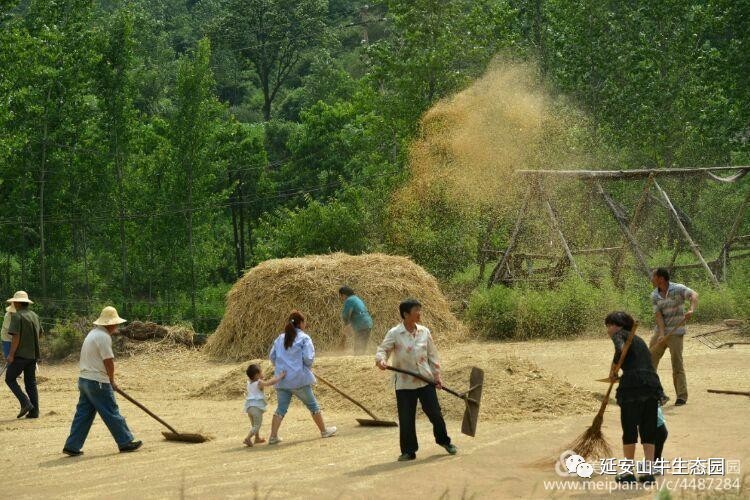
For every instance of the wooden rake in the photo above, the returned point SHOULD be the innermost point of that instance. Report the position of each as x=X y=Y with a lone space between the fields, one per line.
x=704 y=339
x=664 y=339
x=472 y=396
x=173 y=435
x=736 y=393
x=374 y=422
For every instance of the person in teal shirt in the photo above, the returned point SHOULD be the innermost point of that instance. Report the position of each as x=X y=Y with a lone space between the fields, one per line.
x=355 y=314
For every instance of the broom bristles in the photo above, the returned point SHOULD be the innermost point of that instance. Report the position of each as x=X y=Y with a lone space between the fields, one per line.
x=592 y=443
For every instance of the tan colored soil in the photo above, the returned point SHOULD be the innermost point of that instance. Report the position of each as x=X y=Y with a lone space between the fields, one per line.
x=359 y=462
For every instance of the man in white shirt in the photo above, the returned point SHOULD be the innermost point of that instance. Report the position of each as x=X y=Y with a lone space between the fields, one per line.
x=96 y=385
x=410 y=347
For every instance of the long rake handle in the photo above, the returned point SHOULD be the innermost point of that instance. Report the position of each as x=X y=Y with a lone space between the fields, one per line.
x=149 y=412
x=620 y=361
x=425 y=379
x=346 y=396
x=712 y=332
x=669 y=334
x=738 y=393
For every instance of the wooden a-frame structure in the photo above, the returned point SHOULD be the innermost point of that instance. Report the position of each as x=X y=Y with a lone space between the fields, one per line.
x=514 y=266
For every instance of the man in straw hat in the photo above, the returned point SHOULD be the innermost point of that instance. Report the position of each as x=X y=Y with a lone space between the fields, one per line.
x=96 y=385
x=24 y=330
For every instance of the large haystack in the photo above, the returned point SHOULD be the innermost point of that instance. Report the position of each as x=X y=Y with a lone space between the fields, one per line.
x=259 y=303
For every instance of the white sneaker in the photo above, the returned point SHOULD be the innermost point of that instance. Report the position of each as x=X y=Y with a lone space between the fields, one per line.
x=274 y=440
x=330 y=431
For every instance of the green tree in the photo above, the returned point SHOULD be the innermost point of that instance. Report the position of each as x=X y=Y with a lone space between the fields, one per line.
x=272 y=37
x=192 y=136
x=119 y=118
x=435 y=48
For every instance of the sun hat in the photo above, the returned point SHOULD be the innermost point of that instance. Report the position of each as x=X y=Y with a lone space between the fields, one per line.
x=20 y=296
x=109 y=317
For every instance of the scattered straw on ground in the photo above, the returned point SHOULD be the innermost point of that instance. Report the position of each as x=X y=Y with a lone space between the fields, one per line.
x=259 y=303
x=515 y=389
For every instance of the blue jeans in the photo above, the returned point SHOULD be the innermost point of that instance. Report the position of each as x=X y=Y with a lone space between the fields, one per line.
x=304 y=394
x=97 y=397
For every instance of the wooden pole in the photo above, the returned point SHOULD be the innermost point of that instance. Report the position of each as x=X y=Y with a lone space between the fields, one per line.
x=675 y=254
x=634 y=221
x=556 y=227
x=484 y=247
x=681 y=227
x=723 y=258
x=499 y=271
x=634 y=174
x=637 y=252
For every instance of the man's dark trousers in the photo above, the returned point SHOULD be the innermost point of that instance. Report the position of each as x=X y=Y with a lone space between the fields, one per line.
x=406 y=400
x=28 y=368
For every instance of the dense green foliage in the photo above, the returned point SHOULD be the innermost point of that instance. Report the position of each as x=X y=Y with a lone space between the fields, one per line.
x=577 y=306
x=153 y=150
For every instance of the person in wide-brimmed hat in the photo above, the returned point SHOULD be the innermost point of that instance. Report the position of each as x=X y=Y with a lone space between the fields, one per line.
x=96 y=384
x=24 y=330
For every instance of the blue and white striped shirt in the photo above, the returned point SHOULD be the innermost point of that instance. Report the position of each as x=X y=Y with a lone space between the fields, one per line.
x=672 y=307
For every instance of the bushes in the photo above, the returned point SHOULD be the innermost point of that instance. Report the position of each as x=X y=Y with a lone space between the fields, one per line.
x=338 y=225
x=576 y=306
x=739 y=284
x=67 y=337
x=569 y=309
x=493 y=312
x=714 y=304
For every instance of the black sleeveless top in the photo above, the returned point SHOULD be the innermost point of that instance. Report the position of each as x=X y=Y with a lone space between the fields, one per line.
x=639 y=380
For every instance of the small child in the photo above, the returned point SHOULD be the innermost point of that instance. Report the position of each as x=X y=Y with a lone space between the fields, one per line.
x=255 y=402
x=661 y=434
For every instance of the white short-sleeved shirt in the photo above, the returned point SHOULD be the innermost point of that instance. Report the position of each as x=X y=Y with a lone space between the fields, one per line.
x=6 y=337
x=96 y=348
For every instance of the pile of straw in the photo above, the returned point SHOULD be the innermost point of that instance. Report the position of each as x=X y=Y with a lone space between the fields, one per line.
x=138 y=338
x=260 y=302
x=515 y=389
x=178 y=334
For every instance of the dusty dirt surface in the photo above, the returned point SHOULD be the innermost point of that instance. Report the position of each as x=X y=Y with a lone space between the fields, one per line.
x=502 y=461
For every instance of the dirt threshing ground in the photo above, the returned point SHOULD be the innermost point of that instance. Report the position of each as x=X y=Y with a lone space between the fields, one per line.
x=359 y=462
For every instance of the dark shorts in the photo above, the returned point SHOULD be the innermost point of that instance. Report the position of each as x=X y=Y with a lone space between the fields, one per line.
x=638 y=418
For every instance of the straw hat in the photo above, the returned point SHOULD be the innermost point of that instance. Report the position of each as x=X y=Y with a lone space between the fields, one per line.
x=109 y=317
x=20 y=296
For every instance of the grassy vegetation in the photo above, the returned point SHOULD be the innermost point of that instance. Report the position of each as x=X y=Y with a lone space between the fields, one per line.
x=65 y=338
x=576 y=305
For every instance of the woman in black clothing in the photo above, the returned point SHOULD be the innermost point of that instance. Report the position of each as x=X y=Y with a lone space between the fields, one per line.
x=638 y=393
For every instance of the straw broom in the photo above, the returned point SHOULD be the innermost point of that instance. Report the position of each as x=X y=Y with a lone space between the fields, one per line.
x=592 y=442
